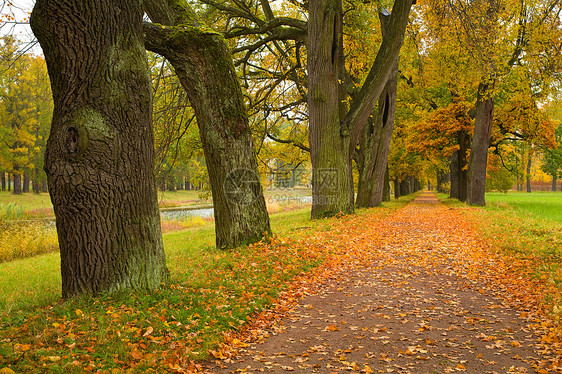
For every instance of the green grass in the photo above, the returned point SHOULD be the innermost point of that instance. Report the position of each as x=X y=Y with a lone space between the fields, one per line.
x=545 y=205
x=212 y=292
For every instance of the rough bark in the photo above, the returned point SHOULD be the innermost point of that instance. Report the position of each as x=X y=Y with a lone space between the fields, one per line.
x=99 y=158
x=204 y=66
x=332 y=139
x=328 y=141
x=480 y=144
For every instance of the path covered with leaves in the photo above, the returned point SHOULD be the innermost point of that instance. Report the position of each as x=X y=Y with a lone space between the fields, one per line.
x=417 y=292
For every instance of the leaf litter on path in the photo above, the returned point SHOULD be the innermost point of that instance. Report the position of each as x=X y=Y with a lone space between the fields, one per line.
x=417 y=292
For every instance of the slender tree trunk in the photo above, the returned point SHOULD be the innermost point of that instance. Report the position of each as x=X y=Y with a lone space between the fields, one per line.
x=4 y=181
x=35 y=182
x=455 y=177
x=464 y=146
x=528 y=175
x=44 y=187
x=481 y=142
x=440 y=181
x=26 y=181
x=100 y=153
x=204 y=66
x=396 y=188
x=553 y=183
x=9 y=182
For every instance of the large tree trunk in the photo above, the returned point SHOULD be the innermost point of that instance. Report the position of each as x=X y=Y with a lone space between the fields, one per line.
x=332 y=191
x=480 y=144
x=204 y=66
x=375 y=141
x=528 y=175
x=332 y=138
x=100 y=154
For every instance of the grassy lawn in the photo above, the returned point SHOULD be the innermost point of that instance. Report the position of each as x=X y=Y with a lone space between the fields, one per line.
x=526 y=228
x=545 y=205
x=211 y=293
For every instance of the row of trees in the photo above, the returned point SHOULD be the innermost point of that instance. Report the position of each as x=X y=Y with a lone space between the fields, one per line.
x=302 y=75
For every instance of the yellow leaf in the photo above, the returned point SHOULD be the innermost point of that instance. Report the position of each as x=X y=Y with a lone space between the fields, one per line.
x=367 y=370
x=148 y=331
x=460 y=367
x=7 y=371
x=79 y=312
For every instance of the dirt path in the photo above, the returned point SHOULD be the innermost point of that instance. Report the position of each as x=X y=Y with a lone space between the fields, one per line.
x=418 y=300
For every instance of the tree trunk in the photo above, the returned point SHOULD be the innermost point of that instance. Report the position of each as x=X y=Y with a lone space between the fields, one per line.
x=9 y=182
x=455 y=177
x=332 y=191
x=100 y=153
x=553 y=183
x=464 y=145
x=528 y=176
x=480 y=144
x=333 y=139
x=386 y=186
x=396 y=188
x=35 y=182
x=44 y=187
x=375 y=141
x=26 y=181
x=4 y=181
x=204 y=66
x=440 y=181
x=17 y=181
x=405 y=187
